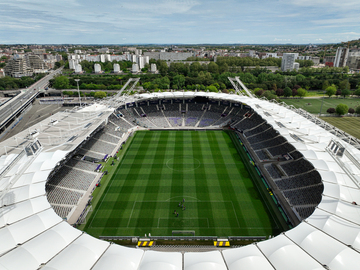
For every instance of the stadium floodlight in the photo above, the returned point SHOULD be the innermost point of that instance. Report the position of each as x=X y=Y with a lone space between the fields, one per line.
x=77 y=82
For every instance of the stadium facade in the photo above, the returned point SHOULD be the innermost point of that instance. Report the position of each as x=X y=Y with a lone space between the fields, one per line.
x=33 y=236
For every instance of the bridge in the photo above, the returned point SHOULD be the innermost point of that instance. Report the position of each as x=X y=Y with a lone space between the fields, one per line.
x=15 y=106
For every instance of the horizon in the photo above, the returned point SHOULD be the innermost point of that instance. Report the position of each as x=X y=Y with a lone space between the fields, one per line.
x=173 y=44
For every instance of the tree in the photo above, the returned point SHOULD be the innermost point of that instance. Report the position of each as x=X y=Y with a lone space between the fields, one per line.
x=294 y=92
x=331 y=110
x=357 y=92
x=287 y=92
x=179 y=81
x=345 y=92
x=351 y=111
x=357 y=110
x=100 y=94
x=301 y=92
x=342 y=109
x=325 y=85
x=330 y=90
x=213 y=67
x=344 y=85
x=61 y=82
x=269 y=95
x=258 y=92
x=279 y=92
x=212 y=88
x=162 y=67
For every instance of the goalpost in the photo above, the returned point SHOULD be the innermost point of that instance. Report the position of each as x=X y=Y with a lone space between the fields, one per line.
x=83 y=217
x=182 y=232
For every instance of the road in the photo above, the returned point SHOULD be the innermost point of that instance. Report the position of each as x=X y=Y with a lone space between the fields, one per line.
x=36 y=114
x=9 y=109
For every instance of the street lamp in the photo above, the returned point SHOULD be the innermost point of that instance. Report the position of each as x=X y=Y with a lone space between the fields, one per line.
x=322 y=102
x=77 y=82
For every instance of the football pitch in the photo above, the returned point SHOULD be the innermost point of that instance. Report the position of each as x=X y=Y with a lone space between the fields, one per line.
x=201 y=170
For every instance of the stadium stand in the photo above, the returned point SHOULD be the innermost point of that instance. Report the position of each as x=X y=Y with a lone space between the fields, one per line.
x=81 y=164
x=299 y=181
x=261 y=155
x=296 y=155
x=268 y=143
x=261 y=128
x=273 y=171
x=72 y=178
x=250 y=122
x=92 y=154
x=193 y=114
x=103 y=136
x=297 y=167
x=263 y=136
x=120 y=122
x=99 y=146
x=304 y=196
x=62 y=211
x=58 y=195
x=281 y=149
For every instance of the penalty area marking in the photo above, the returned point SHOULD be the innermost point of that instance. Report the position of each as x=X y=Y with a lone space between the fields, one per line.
x=183 y=198
x=190 y=218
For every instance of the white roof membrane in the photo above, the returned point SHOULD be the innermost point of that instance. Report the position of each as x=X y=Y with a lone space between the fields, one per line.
x=31 y=234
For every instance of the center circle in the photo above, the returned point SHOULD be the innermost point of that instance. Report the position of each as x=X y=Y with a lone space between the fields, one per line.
x=183 y=164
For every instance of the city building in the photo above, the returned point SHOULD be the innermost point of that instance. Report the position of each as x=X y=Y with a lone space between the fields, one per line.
x=135 y=68
x=329 y=59
x=38 y=51
x=153 y=68
x=288 y=61
x=104 y=58
x=141 y=61
x=316 y=60
x=353 y=61
x=169 y=56
x=341 y=57
x=117 y=68
x=305 y=57
x=268 y=55
x=36 y=63
x=18 y=67
x=103 y=50
x=296 y=66
x=97 y=68
x=78 y=68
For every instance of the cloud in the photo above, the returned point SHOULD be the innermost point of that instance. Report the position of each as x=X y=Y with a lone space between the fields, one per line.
x=177 y=21
x=324 y=4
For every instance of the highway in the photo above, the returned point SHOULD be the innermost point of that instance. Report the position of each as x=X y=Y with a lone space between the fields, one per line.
x=11 y=108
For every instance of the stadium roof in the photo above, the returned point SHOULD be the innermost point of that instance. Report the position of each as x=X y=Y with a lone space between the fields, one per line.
x=33 y=236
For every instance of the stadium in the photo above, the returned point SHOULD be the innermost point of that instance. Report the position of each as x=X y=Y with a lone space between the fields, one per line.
x=307 y=173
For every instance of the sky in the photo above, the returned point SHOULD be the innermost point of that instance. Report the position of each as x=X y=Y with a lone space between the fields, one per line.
x=178 y=21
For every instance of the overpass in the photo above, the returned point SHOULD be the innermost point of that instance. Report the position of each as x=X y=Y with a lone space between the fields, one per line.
x=15 y=106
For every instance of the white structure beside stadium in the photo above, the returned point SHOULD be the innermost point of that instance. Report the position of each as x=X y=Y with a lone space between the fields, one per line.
x=32 y=236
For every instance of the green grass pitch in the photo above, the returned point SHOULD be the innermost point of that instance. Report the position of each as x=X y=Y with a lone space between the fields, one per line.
x=350 y=125
x=160 y=169
x=313 y=105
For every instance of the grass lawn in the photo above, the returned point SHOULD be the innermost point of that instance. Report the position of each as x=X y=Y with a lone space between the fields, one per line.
x=314 y=105
x=161 y=168
x=350 y=125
